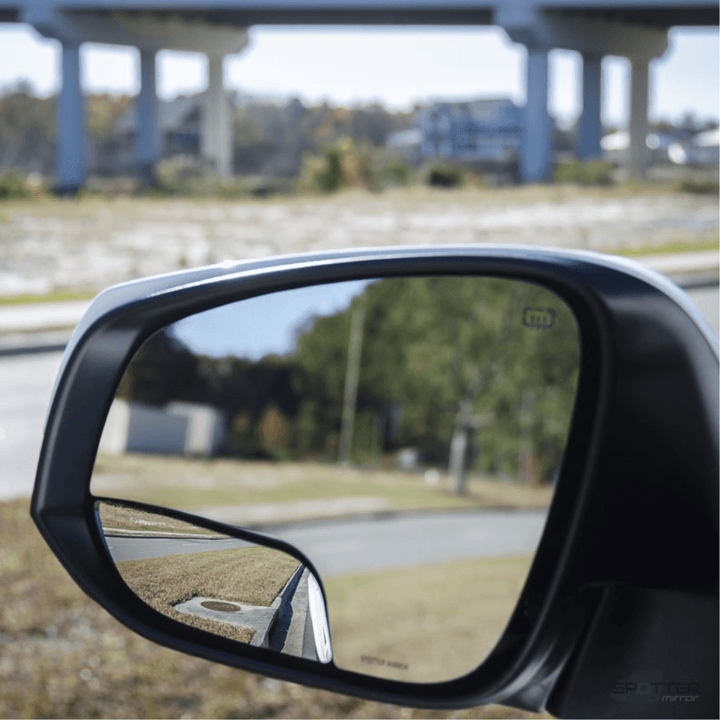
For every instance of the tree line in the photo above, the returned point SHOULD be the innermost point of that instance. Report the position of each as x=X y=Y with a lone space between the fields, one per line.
x=262 y=130
x=476 y=374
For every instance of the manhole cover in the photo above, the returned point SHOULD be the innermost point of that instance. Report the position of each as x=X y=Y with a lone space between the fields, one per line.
x=220 y=606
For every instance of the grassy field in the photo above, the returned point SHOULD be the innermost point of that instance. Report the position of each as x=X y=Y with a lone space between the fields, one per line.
x=677 y=246
x=253 y=575
x=434 y=622
x=293 y=490
x=423 y=624
x=28 y=299
x=53 y=247
x=117 y=517
x=63 y=656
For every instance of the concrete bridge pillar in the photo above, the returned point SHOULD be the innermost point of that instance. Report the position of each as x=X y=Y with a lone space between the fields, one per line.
x=538 y=137
x=217 y=144
x=148 y=141
x=595 y=38
x=587 y=146
x=639 y=97
x=70 y=124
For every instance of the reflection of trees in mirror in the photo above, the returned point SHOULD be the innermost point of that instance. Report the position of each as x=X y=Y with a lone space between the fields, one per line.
x=235 y=592
x=450 y=366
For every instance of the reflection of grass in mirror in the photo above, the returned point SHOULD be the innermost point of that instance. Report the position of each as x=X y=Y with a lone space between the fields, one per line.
x=190 y=483
x=441 y=621
x=118 y=517
x=254 y=575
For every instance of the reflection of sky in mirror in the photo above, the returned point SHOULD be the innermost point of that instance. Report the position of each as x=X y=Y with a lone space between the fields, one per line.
x=263 y=325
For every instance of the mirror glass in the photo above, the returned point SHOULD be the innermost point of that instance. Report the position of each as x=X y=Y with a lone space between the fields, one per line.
x=235 y=587
x=405 y=434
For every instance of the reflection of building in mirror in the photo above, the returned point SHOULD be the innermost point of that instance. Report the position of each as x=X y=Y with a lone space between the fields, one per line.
x=224 y=585
x=179 y=428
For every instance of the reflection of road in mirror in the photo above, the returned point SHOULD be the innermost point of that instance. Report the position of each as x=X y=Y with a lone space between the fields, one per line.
x=351 y=545
x=142 y=548
x=227 y=586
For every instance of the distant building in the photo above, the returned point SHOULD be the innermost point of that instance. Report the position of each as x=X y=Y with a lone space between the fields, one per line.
x=707 y=148
x=179 y=123
x=615 y=146
x=679 y=148
x=175 y=429
x=473 y=131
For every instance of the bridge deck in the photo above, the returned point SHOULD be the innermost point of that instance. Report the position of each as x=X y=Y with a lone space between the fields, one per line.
x=654 y=13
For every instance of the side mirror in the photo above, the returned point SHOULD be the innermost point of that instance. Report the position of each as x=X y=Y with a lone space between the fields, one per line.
x=402 y=433
x=437 y=477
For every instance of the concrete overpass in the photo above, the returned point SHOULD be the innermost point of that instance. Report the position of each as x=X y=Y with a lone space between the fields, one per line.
x=634 y=29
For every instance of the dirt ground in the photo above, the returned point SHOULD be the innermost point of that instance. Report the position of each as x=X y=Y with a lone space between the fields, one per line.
x=94 y=242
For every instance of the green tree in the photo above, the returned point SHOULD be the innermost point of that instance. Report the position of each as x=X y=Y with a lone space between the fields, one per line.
x=163 y=370
x=463 y=364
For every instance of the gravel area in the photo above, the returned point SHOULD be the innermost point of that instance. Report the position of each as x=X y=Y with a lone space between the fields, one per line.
x=94 y=243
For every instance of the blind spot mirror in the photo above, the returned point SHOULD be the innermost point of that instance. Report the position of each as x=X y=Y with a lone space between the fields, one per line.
x=404 y=434
x=229 y=586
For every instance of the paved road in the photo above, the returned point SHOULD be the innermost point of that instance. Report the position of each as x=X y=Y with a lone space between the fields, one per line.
x=26 y=382
x=143 y=548
x=340 y=547
x=347 y=546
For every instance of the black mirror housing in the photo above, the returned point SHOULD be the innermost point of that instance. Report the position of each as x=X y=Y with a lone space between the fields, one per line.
x=631 y=539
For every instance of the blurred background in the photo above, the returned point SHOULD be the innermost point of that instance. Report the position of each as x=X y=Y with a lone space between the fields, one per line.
x=136 y=146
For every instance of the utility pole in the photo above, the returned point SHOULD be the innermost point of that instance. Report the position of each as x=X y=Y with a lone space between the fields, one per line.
x=459 y=445
x=352 y=378
x=526 y=468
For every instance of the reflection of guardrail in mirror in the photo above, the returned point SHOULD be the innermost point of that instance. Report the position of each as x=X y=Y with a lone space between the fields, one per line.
x=225 y=585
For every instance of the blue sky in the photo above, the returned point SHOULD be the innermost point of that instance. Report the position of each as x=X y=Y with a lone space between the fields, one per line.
x=395 y=66
x=242 y=329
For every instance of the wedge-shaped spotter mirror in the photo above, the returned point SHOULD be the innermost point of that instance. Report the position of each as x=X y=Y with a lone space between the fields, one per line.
x=404 y=434
x=234 y=587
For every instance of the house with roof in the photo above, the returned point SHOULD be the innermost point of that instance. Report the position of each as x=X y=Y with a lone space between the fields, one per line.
x=179 y=122
x=180 y=129
x=471 y=131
